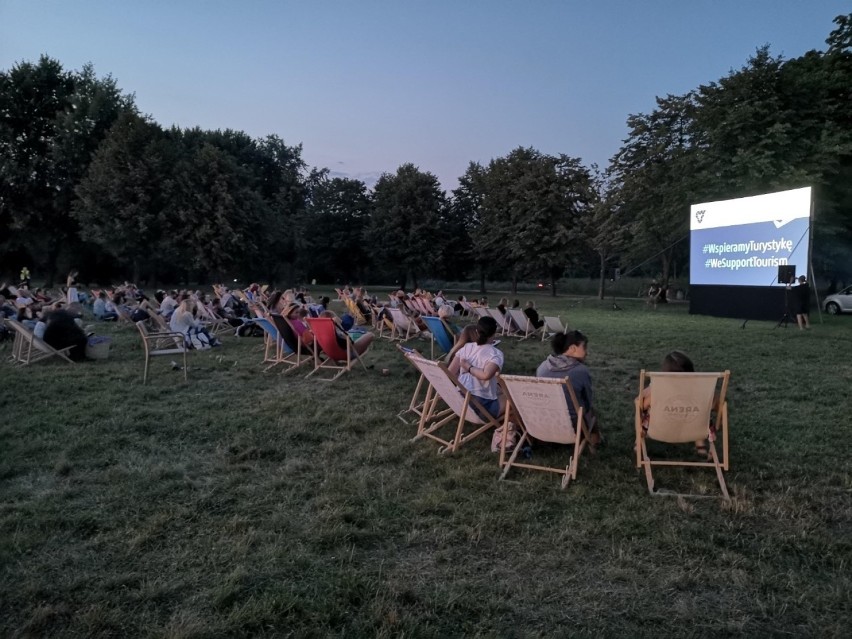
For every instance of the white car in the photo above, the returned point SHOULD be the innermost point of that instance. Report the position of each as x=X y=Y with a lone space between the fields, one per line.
x=839 y=302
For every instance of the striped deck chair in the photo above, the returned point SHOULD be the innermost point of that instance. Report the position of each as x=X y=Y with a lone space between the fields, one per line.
x=445 y=390
x=685 y=408
x=337 y=358
x=552 y=326
x=441 y=333
x=539 y=408
x=28 y=349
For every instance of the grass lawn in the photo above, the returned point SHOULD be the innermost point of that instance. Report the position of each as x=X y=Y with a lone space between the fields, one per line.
x=245 y=503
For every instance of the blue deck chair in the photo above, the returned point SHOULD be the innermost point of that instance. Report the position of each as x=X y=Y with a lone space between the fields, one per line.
x=272 y=342
x=441 y=333
x=294 y=353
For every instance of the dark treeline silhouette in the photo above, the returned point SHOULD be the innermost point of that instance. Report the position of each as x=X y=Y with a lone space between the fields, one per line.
x=87 y=181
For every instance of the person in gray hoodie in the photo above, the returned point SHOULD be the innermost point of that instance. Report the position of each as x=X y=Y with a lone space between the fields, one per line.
x=569 y=360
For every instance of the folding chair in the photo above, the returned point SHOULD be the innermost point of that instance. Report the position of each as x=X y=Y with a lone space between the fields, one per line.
x=552 y=326
x=681 y=412
x=441 y=333
x=293 y=352
x=481 y=311
x=539 y=408
x=403 y=325
x=463 y=407
x=353 y=309
x=503 y=322
x=415 y=406
x=155 y=344
x=325 y=338
x=520 y=319
x=271 y=342
x=27 y=348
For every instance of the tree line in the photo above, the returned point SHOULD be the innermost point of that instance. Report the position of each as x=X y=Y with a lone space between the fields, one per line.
x=88 y=181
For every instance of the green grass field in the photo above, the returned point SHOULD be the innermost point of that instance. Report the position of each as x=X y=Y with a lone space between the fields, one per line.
x=245 y=503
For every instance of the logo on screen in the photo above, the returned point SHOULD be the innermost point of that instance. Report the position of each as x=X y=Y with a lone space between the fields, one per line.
x=699 y=216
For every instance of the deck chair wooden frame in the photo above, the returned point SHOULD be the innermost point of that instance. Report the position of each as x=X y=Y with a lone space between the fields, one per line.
x=444 y=389
x=685 y=408
x=28 y=349
x=156 y=344
x=520 y=319
x=356 y=313
x=272 y=345
x=552 y=326
x=403 y=325
x=415 y=406
x=538 y=407
x=440 y=332
x=481 y=311
x=325 y=340
x=504 y=323
x=293 y=353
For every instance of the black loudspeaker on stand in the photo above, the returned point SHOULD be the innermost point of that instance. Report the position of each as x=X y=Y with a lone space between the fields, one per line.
x=786 y=276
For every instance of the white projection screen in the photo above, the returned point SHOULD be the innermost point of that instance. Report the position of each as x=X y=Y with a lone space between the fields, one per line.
x=742 y=242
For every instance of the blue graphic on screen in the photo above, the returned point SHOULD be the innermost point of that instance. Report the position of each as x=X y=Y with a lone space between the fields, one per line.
x=747 y=254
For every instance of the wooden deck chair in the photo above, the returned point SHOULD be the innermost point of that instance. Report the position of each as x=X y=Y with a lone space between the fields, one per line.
x=552 y=326
x=444 y=389
x=415 y=406
x=217 y=324
x=403 y=325
x=441 y=333
x=272 y=345
x=682 y=407
x=294 y=352
x=355 y=312
x=155 y=344
x=467 y=309
x=522 y=322
x=504 y=323
x=424 y=306
x=539 y=408
x=481 y=311
x=325 y=338
x=28 y=349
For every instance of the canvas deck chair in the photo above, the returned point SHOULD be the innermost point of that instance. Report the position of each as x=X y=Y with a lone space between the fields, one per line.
x=27 y=348
x=444 y=389
x=682 y=412
x=552 y=326
x=156 y=344
x=539 y=408
x=293 y=352
x=441 y=334
x=272 y=344
x=403 y=325
x=481 y=311
x=520 y=319
x=415 y=406
x=337 y=358
x=355 y=312
x=504 y=323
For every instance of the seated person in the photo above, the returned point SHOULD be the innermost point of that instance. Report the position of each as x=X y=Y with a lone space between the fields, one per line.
x=532 y=314
x=502 y=305
x=99 y=308
x=468 y=334
x=445 y=312
x=477 y=363
x=569 y=360
x=673 y=362
x=183 y=321
x=62 y=330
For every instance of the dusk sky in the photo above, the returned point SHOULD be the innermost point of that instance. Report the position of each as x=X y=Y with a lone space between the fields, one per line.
x=367 y=85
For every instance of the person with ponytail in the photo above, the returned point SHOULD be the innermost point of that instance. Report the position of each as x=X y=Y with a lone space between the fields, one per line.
x=477 y=363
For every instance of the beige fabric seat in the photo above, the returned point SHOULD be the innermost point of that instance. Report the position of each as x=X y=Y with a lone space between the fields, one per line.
x=539 y=408
x=27 y=348
x=685 y=408
x=448 y=403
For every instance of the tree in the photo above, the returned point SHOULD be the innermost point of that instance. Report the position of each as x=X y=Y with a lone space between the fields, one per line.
x=404 y=228
x=605 y=229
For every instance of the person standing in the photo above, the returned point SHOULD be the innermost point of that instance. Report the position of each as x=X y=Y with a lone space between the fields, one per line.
x=802 y=297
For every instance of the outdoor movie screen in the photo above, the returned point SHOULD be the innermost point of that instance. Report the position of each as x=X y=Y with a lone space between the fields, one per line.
x=742 y=242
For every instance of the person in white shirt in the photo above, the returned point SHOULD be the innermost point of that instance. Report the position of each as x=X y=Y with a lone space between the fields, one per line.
x=477 y=364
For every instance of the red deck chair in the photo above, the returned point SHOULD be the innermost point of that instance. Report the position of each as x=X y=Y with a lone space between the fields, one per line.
x=337 y=358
